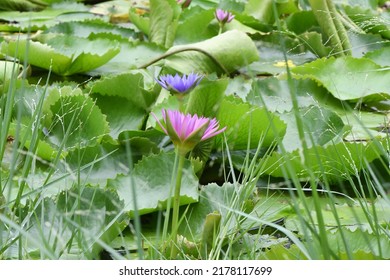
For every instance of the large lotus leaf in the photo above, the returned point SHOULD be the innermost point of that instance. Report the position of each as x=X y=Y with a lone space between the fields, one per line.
x=150 y=182
x=239 y=86
x=152 y=135
x=360 y=244
x=86 y=28
x=260 y=9
x=302 y=22
x=320 y=126
x=348 y=78
x=33 y=21
x=365 y=43
x=9 y=69
x=364 y=125
x=137 y=86
x=94 y=215
x=140 y=21
x=121 y=114
x=63 y=54
x=275 y=94
x=354 y=221
x=22 y=131
x=132 y=55
x=230 y=51
x=195 y=26
x=333 y=162
x=244 y=120
x=125 y=99
x=96 y=164
x=263 y=11
x=355 y=217
x=272 y=54
x=369 y=20
x=164 y=16
x=206 y=98
x=76 y=121
x=212 y=199
x=380 y=56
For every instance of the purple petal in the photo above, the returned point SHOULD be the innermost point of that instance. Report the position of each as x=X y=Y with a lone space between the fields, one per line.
x=159 y=123
x=179 y=84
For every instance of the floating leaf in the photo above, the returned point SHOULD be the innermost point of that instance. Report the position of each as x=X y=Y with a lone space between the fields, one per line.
x=94 y=165
x=8 y=69
x=65 y=55
x=369 y=21
x=76 y=121
x=361 y=78
x=91 y=213
x=320 y=126
x=86 y=28
x=164 y=16
x=333 y=162
x=195 y=26
x=229 y=51
x=33 y=21
x=380 y=57
x=213 y=199
x=243 y=120
x=132 y=55
x=151 y=180
x=275 y=94
x=136 y=86
x=206 y=98
x=124 y=104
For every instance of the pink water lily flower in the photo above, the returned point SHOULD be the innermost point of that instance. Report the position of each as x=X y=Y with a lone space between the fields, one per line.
x=188 y=130
x=223 y=16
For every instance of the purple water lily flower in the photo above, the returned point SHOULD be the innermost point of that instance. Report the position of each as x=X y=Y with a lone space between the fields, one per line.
x=179 y=84
x=186 y=131
x=223 y=16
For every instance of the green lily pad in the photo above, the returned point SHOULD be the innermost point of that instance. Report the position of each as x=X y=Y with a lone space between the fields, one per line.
x=380 y=56
x=244 y=120
x=151 y=180
x=369 y=20
x=124 y=104
x=164 y=16
x=320 y=126
x=91 y=213
x=231 y=51
x=132 y=55
x=348 y=78
x=195 y=26
x=333 y=162
x=64 y=55
x=76 y=122
x=87 y=27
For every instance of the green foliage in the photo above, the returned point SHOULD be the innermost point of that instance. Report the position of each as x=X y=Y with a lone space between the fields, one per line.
x=249 y=126
x=164 y=16
x=76 y=121
x=212 y=55
x=62 y=53
x=330 y=163
x=150 y=182
x=364 y=79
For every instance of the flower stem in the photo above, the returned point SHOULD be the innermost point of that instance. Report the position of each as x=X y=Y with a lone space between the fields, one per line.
x=176 y=205
x=220 y=28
